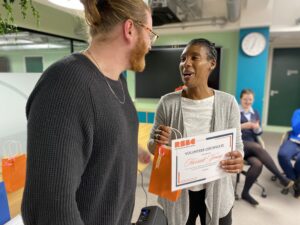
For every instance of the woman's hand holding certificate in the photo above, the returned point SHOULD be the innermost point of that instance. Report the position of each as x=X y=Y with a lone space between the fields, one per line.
x=235 y=162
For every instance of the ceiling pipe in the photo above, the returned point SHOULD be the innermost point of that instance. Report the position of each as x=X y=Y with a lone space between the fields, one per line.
x=233 y=10
x=210 y=21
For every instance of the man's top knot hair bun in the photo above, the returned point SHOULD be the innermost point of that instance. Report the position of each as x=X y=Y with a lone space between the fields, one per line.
x=101 y=4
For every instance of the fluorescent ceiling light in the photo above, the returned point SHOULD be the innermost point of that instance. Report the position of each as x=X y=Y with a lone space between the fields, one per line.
x=33 y=46
x=16 y=35
x=14 y=41
x=283 y=29
x=71 y=4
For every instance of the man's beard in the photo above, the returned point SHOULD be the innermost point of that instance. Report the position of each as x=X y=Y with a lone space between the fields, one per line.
x=137 y=57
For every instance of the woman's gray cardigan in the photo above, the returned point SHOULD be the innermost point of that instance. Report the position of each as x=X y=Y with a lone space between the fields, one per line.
x=219 y=194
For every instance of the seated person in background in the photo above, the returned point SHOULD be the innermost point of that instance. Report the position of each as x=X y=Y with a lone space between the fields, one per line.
x=255 y=155
x=290 y=149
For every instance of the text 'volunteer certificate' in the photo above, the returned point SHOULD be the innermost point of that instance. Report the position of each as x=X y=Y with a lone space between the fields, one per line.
x=196 y=160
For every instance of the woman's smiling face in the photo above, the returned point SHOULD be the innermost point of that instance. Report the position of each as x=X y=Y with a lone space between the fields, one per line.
x=195 y=66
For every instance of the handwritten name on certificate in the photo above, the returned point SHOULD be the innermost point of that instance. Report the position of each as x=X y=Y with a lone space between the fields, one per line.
x=196 y=160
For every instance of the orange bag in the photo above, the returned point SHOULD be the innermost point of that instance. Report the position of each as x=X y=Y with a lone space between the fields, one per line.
x=160 y=180
x=14 y=167
x=14 y=172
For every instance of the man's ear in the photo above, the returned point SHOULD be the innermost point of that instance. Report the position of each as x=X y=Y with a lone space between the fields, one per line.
x=128 y=29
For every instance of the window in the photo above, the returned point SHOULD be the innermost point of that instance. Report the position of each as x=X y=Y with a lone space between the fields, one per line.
x=32 y=51
x=34 y=64
x=4 y=64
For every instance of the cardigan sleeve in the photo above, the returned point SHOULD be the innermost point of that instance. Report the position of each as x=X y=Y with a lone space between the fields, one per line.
x=158 y=120
x=234 y=122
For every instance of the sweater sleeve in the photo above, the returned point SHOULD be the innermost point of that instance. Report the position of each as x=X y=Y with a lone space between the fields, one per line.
x=259 y=130
x=60 y=136
x=296 y=122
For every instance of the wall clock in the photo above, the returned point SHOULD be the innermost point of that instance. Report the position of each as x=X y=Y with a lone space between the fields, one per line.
x=254 y=43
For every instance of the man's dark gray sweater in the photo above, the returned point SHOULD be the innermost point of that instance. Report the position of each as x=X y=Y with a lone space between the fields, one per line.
x=82 y=148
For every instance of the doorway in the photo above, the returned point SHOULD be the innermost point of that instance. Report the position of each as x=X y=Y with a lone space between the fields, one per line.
x=284 y=94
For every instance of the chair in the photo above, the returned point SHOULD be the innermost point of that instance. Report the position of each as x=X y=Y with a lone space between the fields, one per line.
x=263 y=189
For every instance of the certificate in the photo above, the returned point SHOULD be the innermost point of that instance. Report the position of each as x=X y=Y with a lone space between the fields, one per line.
x=196 y=160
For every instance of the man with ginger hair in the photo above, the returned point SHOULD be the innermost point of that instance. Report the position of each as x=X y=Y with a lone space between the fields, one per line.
x=82 y=124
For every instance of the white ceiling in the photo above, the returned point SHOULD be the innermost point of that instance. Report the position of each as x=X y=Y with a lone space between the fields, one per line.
x=47 y=3
x=284 y=30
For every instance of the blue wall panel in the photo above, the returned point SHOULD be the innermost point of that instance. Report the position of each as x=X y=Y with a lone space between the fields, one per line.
x=252 y=70
x=142 y=117
x=151 y=117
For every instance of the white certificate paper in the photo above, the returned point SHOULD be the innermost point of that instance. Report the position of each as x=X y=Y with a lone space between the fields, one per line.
x=196 y=160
